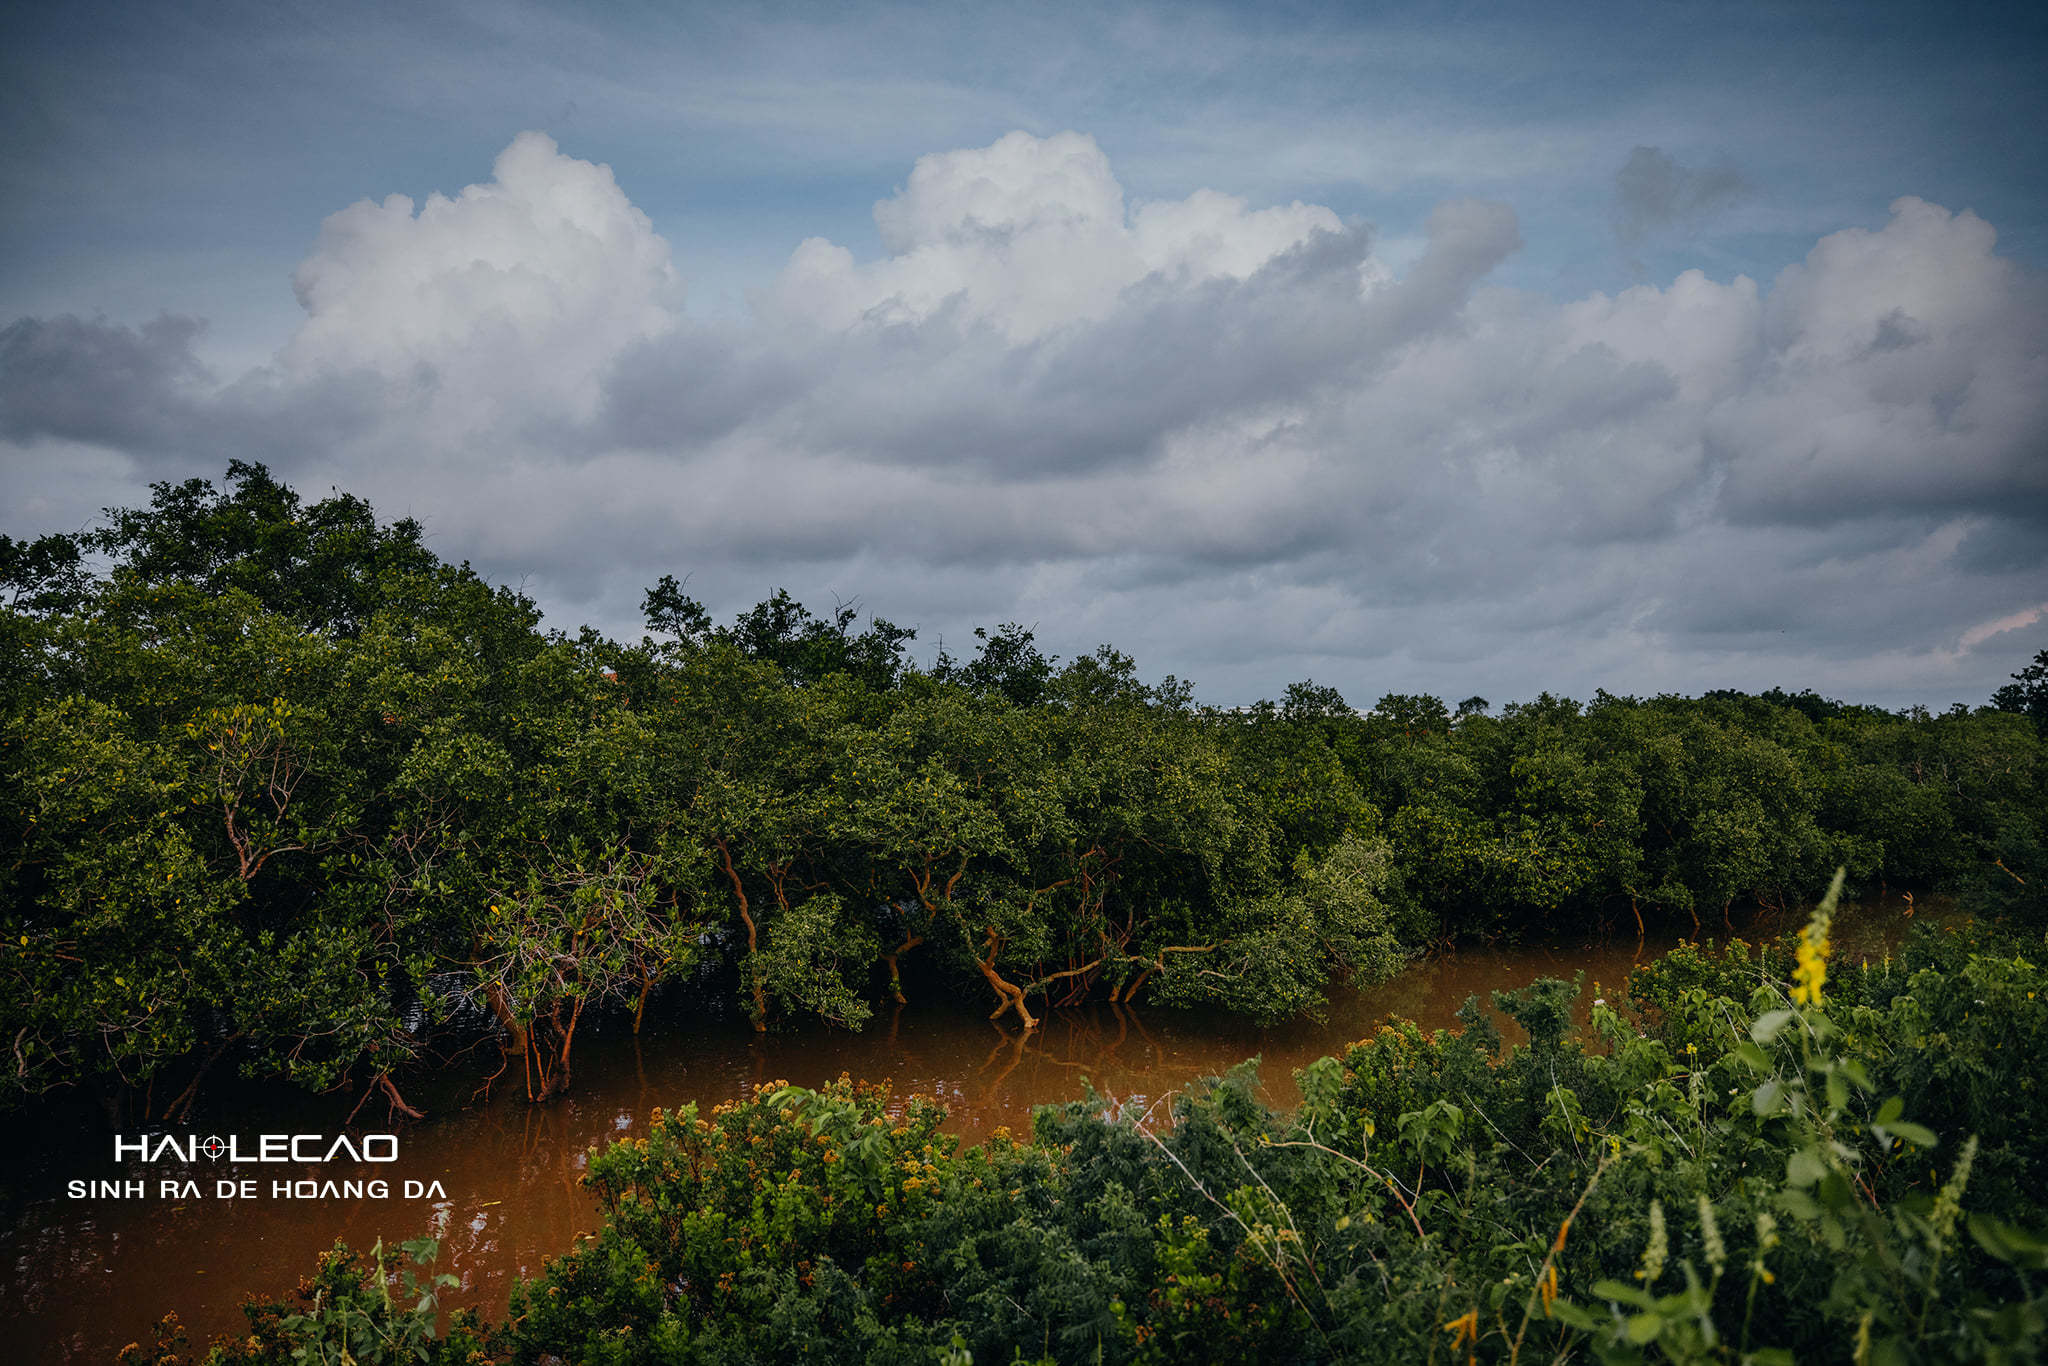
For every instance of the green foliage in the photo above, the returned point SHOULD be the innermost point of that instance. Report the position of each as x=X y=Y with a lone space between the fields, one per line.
x=328 y=567
x=2027 y=694
x=288 y=793
x=345 y=1314
x=1708 y=1179
x=804 y=964
x=1280 y=964
x=780 y=1220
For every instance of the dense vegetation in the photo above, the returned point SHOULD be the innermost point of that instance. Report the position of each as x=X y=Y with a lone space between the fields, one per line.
x=1741 y=1165
x=284 y=789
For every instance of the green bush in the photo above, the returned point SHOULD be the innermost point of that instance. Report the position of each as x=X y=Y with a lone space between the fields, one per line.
x=1703 y=1178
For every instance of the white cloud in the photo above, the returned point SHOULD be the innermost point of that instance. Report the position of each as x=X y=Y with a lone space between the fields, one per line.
x=1229 y=438
x=1030 y=235
x=530 y=285
x=1907 y=365
x=2016 y=621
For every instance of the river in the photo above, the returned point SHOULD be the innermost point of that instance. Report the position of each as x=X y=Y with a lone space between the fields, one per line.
x=85 y=1275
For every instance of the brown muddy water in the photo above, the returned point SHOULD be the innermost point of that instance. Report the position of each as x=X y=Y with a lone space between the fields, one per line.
x=82 y=1275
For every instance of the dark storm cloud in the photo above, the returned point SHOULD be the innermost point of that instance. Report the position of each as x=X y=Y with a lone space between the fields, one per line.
x=2007 y=546
x=94 y=382
x=1100 y=394
x=702 y=383
x=1653 y=192
x=142 y=391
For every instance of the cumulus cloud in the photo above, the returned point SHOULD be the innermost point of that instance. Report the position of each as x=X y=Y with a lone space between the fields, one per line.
x=1228 y=437
x=1030 y=235
x=531 y=284
x=1904 y=367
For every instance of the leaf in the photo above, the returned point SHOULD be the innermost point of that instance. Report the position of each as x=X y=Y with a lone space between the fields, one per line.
x=1798 y=1204
x=1769 y=1025
x=1644 y=1328
x=1621 y=1293
x=1914 y=1133
x=1768 y=1099
x=1804 y=1167
x=2009 y=1244
x=1890 y=1110
x=1754 y=1056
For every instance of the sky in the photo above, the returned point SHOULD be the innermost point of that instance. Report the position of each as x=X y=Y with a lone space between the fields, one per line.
x=1448 y=348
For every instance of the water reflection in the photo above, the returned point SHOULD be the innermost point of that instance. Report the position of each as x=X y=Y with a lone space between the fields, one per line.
x=86 y=1276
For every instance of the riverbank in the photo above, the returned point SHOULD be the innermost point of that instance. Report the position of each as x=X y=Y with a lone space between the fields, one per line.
x=88 y=1275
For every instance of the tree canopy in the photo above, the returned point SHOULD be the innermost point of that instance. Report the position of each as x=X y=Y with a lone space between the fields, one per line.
x=286 y=791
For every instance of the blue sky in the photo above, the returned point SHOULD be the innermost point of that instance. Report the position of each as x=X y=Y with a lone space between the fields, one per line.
x=1500 y=470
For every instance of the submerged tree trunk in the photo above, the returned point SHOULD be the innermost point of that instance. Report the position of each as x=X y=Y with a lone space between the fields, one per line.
x=910 y=942
x=514 y=1044
x=1008 y=993
x=640 y=1006
x=760 y=1011
x=551 y=1065
x=398 y=1105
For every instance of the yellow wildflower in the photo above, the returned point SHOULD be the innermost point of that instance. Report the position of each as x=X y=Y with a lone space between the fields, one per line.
x=1810 y=971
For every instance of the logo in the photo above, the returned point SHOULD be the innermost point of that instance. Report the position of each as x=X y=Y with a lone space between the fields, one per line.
x=305 y=1148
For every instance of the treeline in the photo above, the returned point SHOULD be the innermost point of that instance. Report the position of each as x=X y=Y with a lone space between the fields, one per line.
x=287 y=792
x=1747 y=1161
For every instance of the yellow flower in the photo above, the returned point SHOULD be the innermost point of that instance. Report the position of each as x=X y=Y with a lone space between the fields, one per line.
x=1810 y=972
x=1466 y=1326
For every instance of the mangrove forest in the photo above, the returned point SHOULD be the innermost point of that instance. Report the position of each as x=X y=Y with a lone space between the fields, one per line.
x=291 y=799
